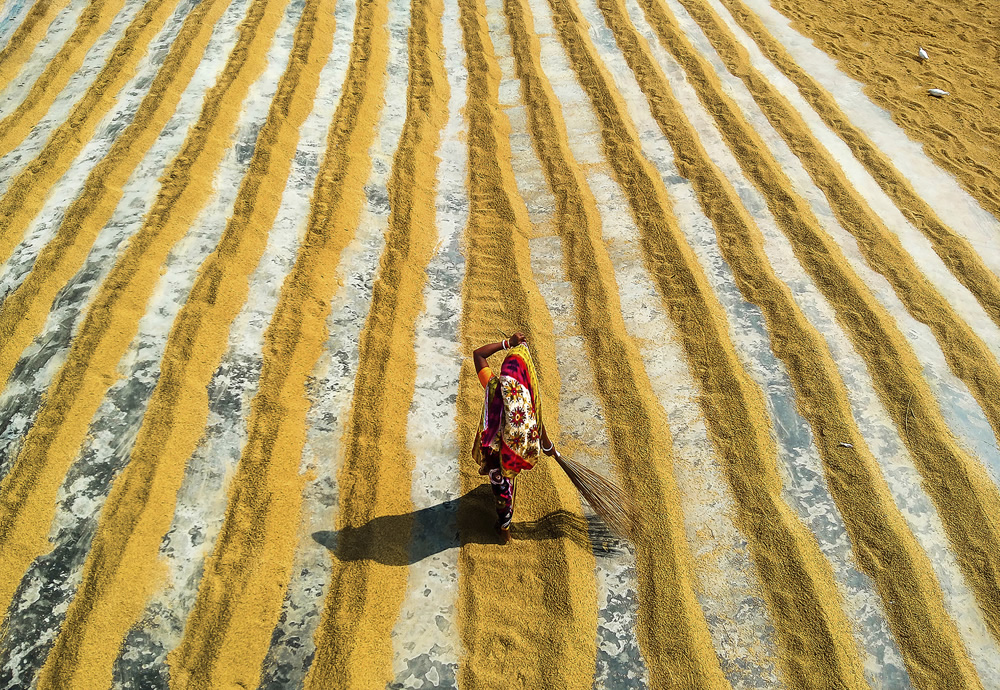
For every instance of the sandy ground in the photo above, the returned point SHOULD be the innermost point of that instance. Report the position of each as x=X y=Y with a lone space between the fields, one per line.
x=248 y=246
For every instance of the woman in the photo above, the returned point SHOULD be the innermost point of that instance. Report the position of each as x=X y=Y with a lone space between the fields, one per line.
x=511 y=432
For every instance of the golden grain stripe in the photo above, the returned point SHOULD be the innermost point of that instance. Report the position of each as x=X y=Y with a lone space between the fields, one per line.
x=23 y=312
x=637 y=426
x=516 y=625
x=240 y=594
x=927 y=636
x=963 y=493
x=94 y=21
x=121 y=573
x=27 y=35
x=955 y=251
x=965 y=352
x=353 y=646
x=815 y=637
x=26 y=194
x=871 y=43
x=28 y=492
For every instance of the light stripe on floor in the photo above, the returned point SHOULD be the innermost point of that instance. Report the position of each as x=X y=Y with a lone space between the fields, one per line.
x=584 y=437
x=118 y=418
x=935 y=186
x=18 y=72
x=961 y=409
x=202 y=497
x=867 y=409
x=426 y=646
x=41 y=360
x=293 y=645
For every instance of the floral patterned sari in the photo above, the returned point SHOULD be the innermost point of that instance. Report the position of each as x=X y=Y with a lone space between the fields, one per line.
x=511 y=426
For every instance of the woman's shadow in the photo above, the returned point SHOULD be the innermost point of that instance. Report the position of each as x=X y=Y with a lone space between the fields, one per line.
x=410 y=538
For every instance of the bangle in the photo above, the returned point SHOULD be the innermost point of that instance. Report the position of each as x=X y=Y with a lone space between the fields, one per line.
x=546 y=450
x=504 y=344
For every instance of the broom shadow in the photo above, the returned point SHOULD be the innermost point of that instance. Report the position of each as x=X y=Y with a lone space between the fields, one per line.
x=410 y=538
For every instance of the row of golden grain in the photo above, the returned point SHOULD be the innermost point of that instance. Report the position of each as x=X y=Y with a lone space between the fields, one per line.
x=134 y=309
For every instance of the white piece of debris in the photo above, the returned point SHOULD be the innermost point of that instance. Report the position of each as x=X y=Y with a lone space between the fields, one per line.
x=846 y=445
x=939 y=93
x=923 y=54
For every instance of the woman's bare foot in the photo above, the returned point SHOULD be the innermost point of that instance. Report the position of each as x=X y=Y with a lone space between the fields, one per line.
x=503 y=533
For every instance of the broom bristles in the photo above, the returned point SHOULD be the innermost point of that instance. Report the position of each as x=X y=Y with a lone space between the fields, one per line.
x=610 y=503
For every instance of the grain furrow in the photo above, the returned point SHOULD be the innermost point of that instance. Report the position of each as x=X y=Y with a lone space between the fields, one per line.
x=812 y=629
x=891 y=361
x=28 y=491
x=353 y=644
x=27 y=35
x=238 y=604
x=24 y=311
x=966 y=353
x=550 y=641
x=871 y=42
x=121 y=572
x=201 y=499
x=636 y=422
x=870 y=514
x=955 y=251
x=425 y=636
x=94 y=21
x=26 y=193
x=38 y=364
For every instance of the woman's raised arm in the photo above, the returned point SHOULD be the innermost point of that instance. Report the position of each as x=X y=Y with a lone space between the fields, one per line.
x=481 y=353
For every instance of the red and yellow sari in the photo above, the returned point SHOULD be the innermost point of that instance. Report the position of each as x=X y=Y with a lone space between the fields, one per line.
x=509 y=436
x=510 y=430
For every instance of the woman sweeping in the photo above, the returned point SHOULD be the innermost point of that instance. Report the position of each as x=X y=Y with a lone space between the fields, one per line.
x=511 y=432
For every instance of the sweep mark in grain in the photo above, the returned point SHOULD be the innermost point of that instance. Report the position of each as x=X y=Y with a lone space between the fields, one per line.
x=966 y=353
x=640 y=437
x=948 y=470
x=28 y=492
x=27 y=35
x=26 y=194
x=238 y=603
x=873 y=42
x=353 y=645
x=955 y=251
x=813 y=631
x=120 y=574
x=926 y=634
x=94 y=21
x=23 y=312
x=552 y=640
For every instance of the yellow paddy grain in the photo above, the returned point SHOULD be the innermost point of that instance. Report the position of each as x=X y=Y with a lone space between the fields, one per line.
x=95 y=19
x=241 y=591
x=813 y=631
x=27 y=192
x=27 y=35
x=353 y=646
x=636 y=422
x=28 y=492
x=549 y=582
x=875 y=41
x=122 y=570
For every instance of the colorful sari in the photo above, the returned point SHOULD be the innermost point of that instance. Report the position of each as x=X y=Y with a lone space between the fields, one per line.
x=510 y=430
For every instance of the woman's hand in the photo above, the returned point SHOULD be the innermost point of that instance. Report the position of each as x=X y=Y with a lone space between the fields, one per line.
x=517 y=339
x=547 y=446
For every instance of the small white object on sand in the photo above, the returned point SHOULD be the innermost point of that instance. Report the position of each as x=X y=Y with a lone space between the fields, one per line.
x=939 y=93
x=923 y=54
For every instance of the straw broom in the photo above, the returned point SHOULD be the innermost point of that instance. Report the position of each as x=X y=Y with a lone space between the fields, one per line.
x=610 y=503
